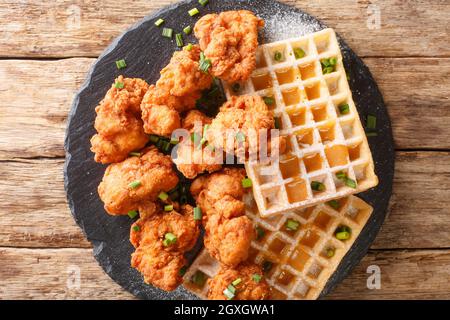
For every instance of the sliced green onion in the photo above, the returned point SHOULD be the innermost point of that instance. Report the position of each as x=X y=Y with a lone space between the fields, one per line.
x=247 y=183
x=278 y=56
x=350 y=183
x=197 y=213
x=267 y=265
x=179 y=40
x=204 y=65
x=134 y=184
x=269 y=101
x=371 y=134
x=174 y=141
x=193 y=12
x=167 y=32
x=198 y=278
x=169 y=239
x=153 y=138
x=334 y=204
x=165 y=146
x=168 y=207
x=325 y=63
x=159 y=22
x=228 y=293
x=163 y=196
x=240 y=137
x=277 y=123
x=330 y=252
x=292 y=225
x=236 y=282
x=371 y=122
x=317 y=186
x=136 y=228
x=332 y=61
x=189 y=47
x=236 y=87
x=187 y=30
x=328 y=70
x=205 y=129
x=203 y=2
x=259 y=232
x=341 y=175
x=231 y=288
x=344 y=108
x=343 y=233
x=120 y=64
x=182 y=271
x=135 y=154
x=132 y=214
x=196 y=138
x=299 y=53
x=256 y=277
x=119 y=85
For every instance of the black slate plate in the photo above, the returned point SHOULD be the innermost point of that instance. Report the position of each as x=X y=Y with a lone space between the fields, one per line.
x=146 y=52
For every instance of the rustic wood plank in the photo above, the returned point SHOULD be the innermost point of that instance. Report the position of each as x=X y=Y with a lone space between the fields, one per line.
x=69 y=28
x=34 y=108
x=419 y=216
x=46 y=273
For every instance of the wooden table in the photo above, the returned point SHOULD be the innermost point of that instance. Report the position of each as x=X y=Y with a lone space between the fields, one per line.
x=46 y=48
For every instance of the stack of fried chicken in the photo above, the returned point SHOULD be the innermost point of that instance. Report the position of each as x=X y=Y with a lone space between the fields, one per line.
x=139 y=176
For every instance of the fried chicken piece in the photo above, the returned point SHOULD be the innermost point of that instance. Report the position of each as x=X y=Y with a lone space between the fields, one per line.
x=160 y=262
x=253 y=286
x=118 y=123
x=228 y=231
x=192 y=158
x=230 y=40
x=177 y=90
x=246 y=116
x=152 y=170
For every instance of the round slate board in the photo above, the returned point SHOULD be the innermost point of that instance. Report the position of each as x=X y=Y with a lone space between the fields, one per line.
x=146 y=52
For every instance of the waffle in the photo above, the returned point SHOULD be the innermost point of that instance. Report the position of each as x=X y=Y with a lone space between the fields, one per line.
x=324 y=136
x=297 y=263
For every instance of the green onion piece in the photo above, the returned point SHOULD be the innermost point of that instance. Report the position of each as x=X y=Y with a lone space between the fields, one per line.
x=193 y=12
x=292 y=225
x=236 y=87
x=119 y=85
x=299 y=53
x=120 y=64
x=163 y=196
x=182 y=271
x=236 y=282
x=197 y=213
x=134 y=184
x=341 y=175
x=132 y=214
x=228 y=293
x=317 y=186
x=174 y=141
x=136 y=228
x=153 y=138
x=256 y=277
x=330 y=252
x=266 y=266
x=247 y=183
x=344 y=108
x=205 y=129
x=325 y=63
x=169 y=239
x=165 y=146
x=159 y=22
x=168 y=207
x=371 y=134
x=344 y=235
x=277 y=123
x=188 y=47
x=231 y=288
x=198 y=278
x=334 y=204
x=240 y=136
x=204 y=65
x=332 y=61
x=179 y=40
x=371 y=122
x=203 y=2
x=135 y=154
x=269 y=101
x=167 y=32
x=278 y=56
x=187 y=30
x=350 y=183
x=195 y=138
x=259 y=232
x=328 y=70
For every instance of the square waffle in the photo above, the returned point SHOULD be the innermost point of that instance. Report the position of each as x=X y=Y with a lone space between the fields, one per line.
x=297 y=263
x=313 y=107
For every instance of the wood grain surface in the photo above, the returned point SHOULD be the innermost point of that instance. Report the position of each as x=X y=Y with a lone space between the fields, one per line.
x=46 y=49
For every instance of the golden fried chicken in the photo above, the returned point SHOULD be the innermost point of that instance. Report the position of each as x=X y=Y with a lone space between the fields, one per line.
x=251 y=286
x=118 y=123
x=136 y=182
x=176 y=91
x=158 y=259
x=228 y=231
x=241 y=119
x=194 y=157
x=230 y=40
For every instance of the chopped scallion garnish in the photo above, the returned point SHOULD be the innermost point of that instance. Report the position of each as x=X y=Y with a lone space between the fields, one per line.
x=343 y=233
x=371 y=122
x=167 y=32
x=292 y=225
x=334 y=204
x=330 y=252
x=371 y=134
x=163 y=196
x=169 y=239
x=341 y=175
x=259 y=232
x=159 y=22
x=203 y=2
x=187 y=30
x=344 y=108
x=174 y=141
x=153 y=138
x=135 y=154
x=277 y=123
x=193 y=12
x=179 y=40
x=269 y=101
x=350 y=183
x=188 y=47
x=317 y=186
x=228 y=294
x=134 y=184
x=197 y=213
x=120 y=64
x=299 y=53
x=136 y=228
x=204 y=63
x=168 y=207
x=132 y=214
x=278 y=56
x=247 y=183
x=196 y=138
x=256 y=277
x=119 y=85
x=236 y=282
